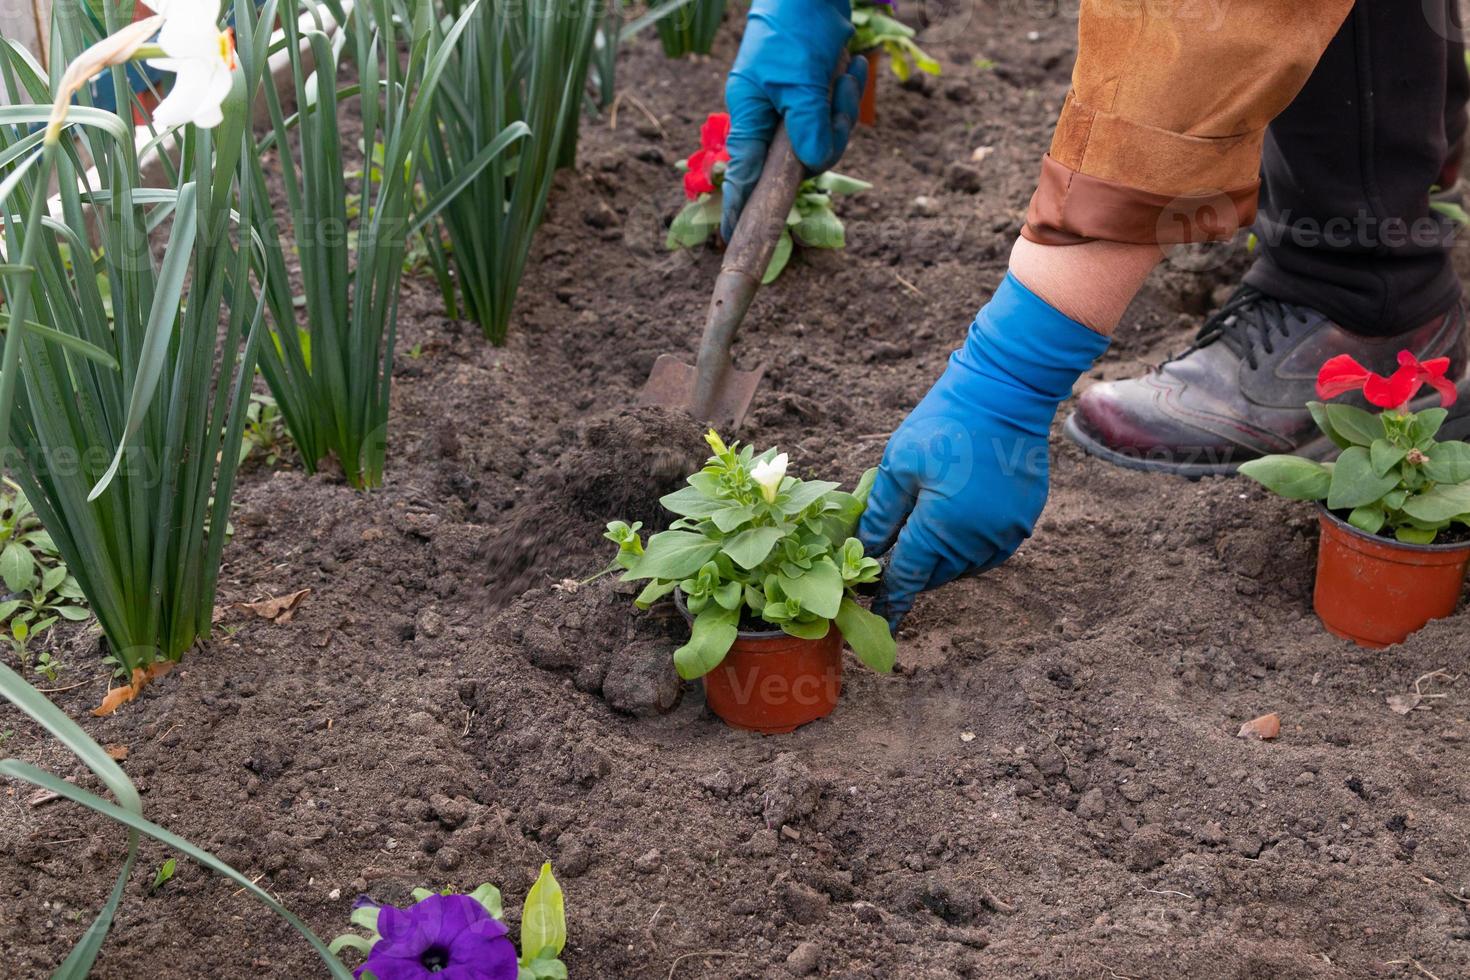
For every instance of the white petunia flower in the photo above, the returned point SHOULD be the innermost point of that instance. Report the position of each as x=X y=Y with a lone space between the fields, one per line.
x=202 y=59
x=768 y=476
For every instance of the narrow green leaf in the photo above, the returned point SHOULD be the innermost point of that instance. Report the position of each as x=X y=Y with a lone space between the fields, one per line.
x=74 y=344
x=428 y=211
x=78 y=962
x=657 y=13
x=349 y=941
x=128 y=818
x=159 y=334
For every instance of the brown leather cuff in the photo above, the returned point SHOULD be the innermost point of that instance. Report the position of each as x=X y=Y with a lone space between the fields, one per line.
x=1069 y=208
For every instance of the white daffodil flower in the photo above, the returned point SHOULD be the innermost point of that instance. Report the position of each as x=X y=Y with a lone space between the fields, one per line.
x=201 y=58
x=768 y=476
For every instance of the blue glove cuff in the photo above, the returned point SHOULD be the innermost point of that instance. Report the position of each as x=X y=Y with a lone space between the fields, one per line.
x=1021 y=337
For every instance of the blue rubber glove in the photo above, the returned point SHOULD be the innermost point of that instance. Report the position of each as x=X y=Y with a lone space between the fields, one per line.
x=784 y=71
x=964 y=479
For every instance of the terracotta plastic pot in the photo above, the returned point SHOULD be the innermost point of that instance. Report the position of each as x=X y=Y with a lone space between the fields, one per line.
x=868 y=108
x=772 y=682
x=1375 y=591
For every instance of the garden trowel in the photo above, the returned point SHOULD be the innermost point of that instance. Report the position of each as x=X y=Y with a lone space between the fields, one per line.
x=714 y=390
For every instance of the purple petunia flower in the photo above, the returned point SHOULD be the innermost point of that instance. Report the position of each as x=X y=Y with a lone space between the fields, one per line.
x=443 y=937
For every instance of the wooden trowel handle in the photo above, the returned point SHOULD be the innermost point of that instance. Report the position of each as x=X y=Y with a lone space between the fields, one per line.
x=764 y=216
x=747 y=257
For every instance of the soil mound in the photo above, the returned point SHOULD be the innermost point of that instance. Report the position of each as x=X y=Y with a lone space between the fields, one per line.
x=619 y=466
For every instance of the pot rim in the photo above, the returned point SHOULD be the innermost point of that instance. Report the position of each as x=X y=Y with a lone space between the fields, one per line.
x=740 y=634
x=1359 y=533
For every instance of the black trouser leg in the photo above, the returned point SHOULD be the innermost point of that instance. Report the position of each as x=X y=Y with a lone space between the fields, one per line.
x=1345 y=224
x=1457 y=94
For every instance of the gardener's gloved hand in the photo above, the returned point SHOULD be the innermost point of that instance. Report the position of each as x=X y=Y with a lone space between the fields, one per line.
x=964 y=479
x=784 y=70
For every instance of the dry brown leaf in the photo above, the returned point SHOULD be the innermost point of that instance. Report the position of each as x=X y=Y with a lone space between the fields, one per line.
x=119 y=696
x=1402 y=704
x=1265 y=727
x=278 y=609
x=117 y=752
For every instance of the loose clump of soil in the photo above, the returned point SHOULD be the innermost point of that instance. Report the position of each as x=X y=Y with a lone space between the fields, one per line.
x=1050 y=786
x=617 y=468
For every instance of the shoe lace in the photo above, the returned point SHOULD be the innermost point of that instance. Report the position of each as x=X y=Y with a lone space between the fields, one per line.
x=1247 y=323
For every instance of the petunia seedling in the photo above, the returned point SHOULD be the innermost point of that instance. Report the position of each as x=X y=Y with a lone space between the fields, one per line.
x=753 y=543
x=630 y=547
x=461 y=936
x=1391 y=475
x=812 y=222
x=876 y=28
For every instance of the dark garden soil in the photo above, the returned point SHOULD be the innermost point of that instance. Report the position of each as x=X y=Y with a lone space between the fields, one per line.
x=1050 y=786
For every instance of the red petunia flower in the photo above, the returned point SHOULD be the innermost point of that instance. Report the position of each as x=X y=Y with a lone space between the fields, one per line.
x=1342 y=374
x=700 y=179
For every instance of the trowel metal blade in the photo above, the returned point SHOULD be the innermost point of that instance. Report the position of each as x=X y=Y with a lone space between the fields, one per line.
x=671 y=384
